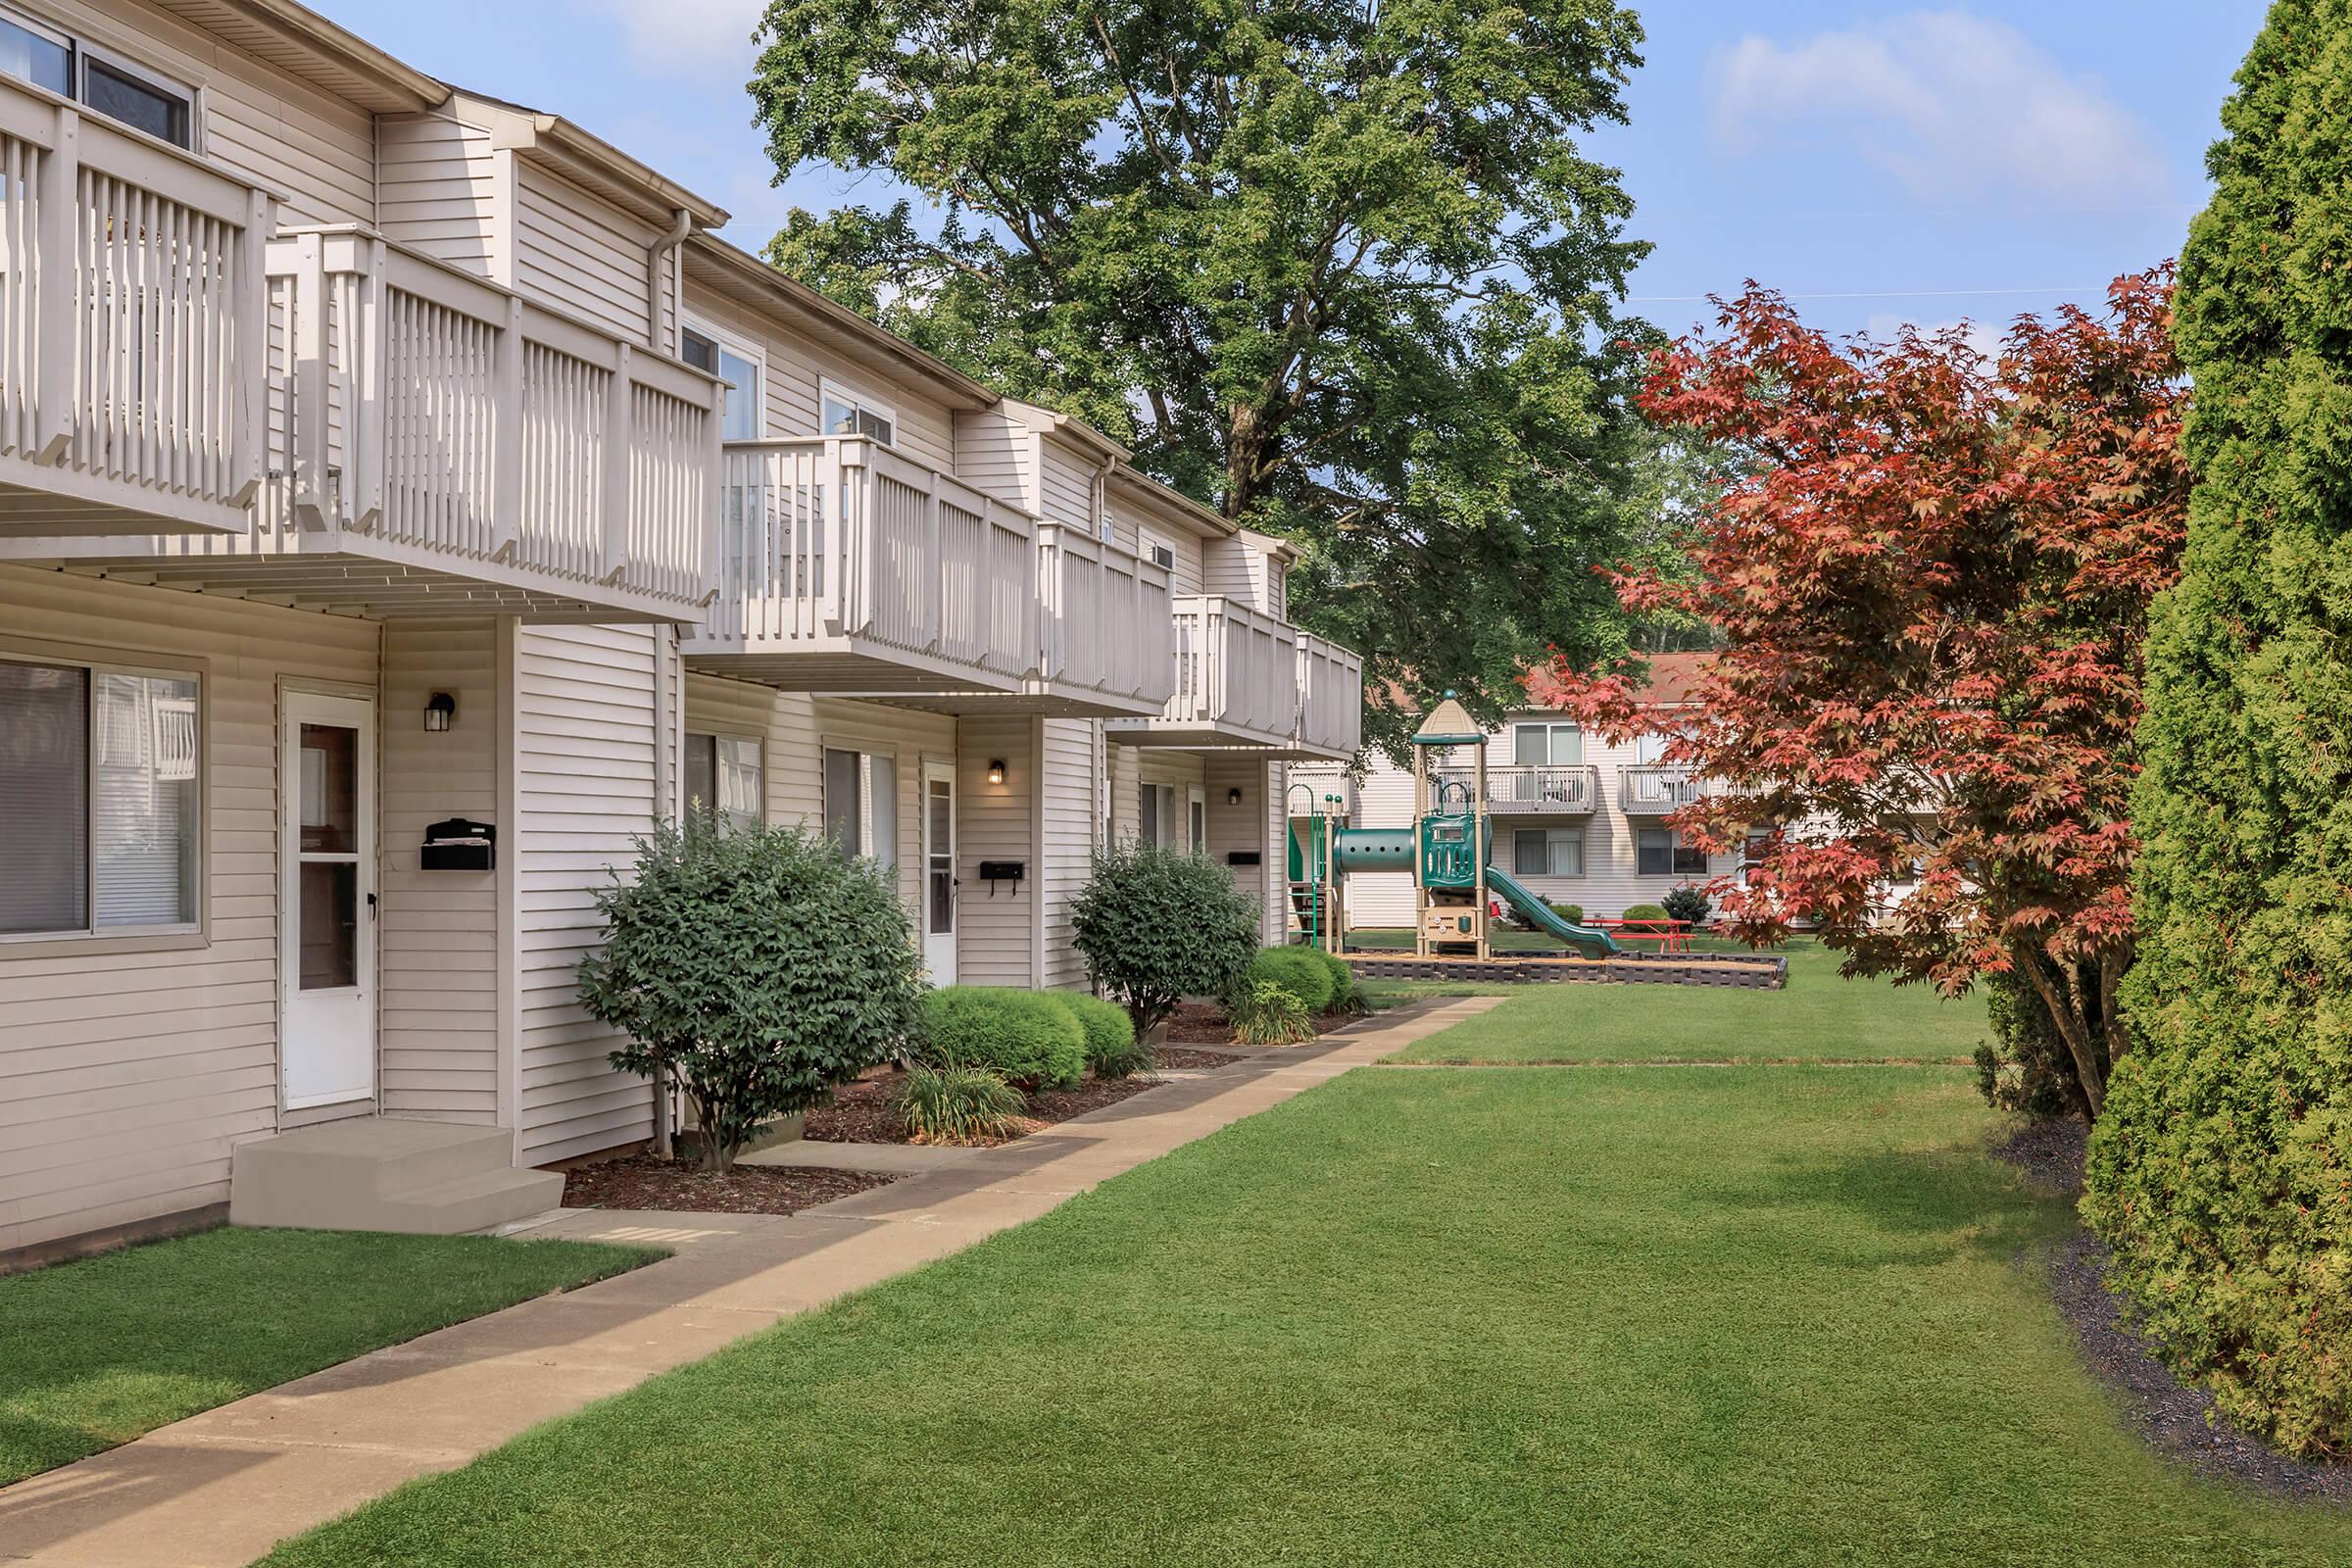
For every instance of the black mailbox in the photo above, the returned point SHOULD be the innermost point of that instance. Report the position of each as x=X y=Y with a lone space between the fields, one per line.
x=1243 y=858
x=459 y=845
x=993 y=872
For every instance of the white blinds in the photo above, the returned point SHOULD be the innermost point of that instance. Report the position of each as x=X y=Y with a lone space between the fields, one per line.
x=44 y=802
x=144 y=789
x=882 y=817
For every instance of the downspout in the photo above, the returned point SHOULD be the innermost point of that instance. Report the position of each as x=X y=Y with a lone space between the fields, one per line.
x=657 y=256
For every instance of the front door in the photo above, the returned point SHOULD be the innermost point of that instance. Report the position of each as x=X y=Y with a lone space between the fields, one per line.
x=327 y=928
x=939 y=872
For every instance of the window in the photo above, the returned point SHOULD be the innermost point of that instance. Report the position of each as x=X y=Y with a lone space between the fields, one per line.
x=1156 y=550
x=1661 y=851
x=1173 y=818
x=1649 y=750
x=1546 y=745
x=727 y=777
x=1196 y=808
x=736 y=366
x=1548 y=851
x=862 y=803
x=98 y=800
x=1156 y=819
x=846 y=413
x=122 y=92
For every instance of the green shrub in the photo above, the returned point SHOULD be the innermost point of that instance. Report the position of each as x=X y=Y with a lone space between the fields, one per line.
x=1686 y=904
x=1343 y=978
x=1157 y=926
x=1111 y=1051
x=1027 y=1038
x=756 y=967
x=2026 y=1066
x=956 y=1103
x=1298 y=970
x=1356 y=1002
x=1573 y=913
x=2221 y=1165
x=1267 y=1015
x=1644 y=912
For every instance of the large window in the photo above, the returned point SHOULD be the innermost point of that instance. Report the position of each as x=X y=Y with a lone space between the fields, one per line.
x=98 y=800
x=1661 y=851
x=862 y=803
x=1548 y=851
x=1546 y=745
x=736 y=366
x=1173 y=818
x=848 y=412
x=114 y=88
x=726 y=777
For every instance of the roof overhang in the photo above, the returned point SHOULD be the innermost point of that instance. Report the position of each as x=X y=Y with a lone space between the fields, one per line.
x=304 y=44
x=1171 y=506
x=585 y=159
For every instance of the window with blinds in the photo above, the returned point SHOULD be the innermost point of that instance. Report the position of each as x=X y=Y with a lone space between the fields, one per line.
x=98 y=800
x=862 y=803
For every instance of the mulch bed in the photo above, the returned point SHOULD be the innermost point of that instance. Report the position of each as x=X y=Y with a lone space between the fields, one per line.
x=1204 y=1023
x=1176 y=1057
x=860 y=1112
x=640 y=1180
x=2171 y=1416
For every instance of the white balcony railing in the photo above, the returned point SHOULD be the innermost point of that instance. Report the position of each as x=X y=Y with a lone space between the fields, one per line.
x=882 y=572
x=1237 y=679
x=1654 y=790
x=1105 y=621
x=1331 y=697
x=132 y=320
x=1564 y=790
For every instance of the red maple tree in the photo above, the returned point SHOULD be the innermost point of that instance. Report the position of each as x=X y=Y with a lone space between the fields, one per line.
x=1929 y=587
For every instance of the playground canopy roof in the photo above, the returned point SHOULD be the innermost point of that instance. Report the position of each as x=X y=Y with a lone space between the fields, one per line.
x=1449 y=724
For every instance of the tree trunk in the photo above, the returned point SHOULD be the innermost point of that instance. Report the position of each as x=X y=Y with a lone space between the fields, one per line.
x=2073 y=1027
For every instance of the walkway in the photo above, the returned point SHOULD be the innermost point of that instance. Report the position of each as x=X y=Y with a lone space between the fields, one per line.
x=221 y=1488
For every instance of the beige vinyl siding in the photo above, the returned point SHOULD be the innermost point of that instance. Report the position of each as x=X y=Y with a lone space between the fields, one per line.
x=315 y=151
x=580 y=255
x=1190 y=574
x=995 y=454
x=1071 y=749
x=126 y=1077
x=437 y=937
x=1067 y=477
x=440 y=191
x=1237 y=569
x=585 y=764
x=796 y=362
x=1126 y=764
x=1251 y=825
x=994 y=938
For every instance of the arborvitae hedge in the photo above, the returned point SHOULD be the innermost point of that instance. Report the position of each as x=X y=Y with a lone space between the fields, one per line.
x=2222 y=1172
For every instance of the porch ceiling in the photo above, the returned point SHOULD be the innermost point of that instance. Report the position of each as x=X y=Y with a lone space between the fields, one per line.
x=359 y=586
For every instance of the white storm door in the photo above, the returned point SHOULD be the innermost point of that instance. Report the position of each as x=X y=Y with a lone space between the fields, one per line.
x=326 y=900
x=939 y=872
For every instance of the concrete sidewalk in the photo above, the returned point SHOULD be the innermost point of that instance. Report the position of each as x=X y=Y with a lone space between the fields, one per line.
x=224 y=1486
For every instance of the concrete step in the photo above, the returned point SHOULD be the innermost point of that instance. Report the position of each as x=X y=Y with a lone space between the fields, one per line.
x=385 y=1173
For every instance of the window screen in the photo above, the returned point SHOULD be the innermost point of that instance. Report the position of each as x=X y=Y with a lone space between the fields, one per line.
x=144 y=793
x=702 y=772
x=45 y=799
x=845 y=816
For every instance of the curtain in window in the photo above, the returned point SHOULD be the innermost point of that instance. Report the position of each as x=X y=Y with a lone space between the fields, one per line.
x=44 y=804
x=144 y=787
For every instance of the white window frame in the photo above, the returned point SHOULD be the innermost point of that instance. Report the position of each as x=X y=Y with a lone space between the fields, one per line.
x=866 y=752
x=829 y=390
x=1147 y=543
x=80 y=51
x=1552 y=837
x=1195 y=798
x=199 y=839
x=1548 y=725
x=743 y=348
x=1674 y=847
x=715 y=733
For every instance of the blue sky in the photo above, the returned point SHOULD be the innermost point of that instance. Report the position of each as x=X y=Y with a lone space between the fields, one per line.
x=1879 y=163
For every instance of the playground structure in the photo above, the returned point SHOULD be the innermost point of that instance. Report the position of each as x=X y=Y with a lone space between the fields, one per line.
x=1448 y=851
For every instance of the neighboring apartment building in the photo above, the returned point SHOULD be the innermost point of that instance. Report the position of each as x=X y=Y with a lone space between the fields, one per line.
x=379 y=460
x=1576 y=819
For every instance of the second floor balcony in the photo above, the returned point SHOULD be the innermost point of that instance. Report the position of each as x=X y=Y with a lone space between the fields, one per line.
x=1245 y=680
x=1552 y=790
x=437 y=445
x=1655 y=789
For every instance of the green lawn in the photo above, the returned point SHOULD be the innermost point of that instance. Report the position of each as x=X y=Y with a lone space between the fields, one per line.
x=1610 y=1316
x=94 y=1353
x=1820 y=1016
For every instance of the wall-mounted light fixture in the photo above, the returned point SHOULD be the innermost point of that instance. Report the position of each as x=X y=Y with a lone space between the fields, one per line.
x=1233 y=797
x=440 y=711
x=995 y=771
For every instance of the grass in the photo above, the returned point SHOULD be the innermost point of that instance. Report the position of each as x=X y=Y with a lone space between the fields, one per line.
x=1821 y=1016
x=1615 y=1316
x=100 y=1350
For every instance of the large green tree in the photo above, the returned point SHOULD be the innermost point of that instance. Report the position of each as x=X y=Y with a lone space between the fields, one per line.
x=1335 y=267
x=2222 y=1172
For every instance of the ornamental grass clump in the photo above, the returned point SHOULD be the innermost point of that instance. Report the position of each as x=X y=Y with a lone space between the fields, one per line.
x=1267 y=1015
x=957 y=1104
x=1157 y=925
x=755 y=968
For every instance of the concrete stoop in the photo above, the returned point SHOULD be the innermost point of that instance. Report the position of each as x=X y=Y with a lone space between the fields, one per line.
x=384 y=1173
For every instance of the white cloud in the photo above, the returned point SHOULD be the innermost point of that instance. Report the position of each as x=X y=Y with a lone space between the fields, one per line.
x=684 y=35
x=1983 y=336
x=1954 y=106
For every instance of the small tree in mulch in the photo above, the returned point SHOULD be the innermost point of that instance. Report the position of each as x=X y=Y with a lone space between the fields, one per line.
x=1159 y=925
x=756 y=967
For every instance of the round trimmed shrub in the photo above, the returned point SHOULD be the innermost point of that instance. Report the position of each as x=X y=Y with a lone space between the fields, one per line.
x=1573 y=913
x=1110 y=1048
x=1025 y=1036
x=1644 y=912
x=1157 y=926
x=1343 y=978
x=1298 y=970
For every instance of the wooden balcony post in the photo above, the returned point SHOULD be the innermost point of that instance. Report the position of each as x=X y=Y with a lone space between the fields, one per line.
x=619 y=444
x=249 y=346
x=311 y=371
x=506 y=424
x=364 y=422
x=935 y=580
x=59 y=311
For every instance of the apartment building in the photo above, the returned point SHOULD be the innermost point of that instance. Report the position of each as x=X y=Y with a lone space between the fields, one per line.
x=406 y=500
x=1578 y=820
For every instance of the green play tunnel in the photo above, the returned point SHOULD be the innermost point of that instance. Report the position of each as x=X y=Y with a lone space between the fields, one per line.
x=1356 y=849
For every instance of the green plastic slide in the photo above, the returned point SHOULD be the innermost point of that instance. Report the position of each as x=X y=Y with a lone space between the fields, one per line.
x=1591 y=941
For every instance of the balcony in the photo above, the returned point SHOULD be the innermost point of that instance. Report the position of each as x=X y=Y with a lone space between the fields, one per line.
x=1331 y=700
x=1107 y=644
x=1236 y=682
x=132 y=320
x=438 y=445
x=1650 y=790
x=1564 y=790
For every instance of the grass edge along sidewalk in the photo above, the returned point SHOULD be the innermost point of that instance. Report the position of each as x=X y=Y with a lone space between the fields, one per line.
x=1616 y=1316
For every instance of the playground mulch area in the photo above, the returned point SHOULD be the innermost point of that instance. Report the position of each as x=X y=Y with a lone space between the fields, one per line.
x=860 y=1112
x=641 y=1181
